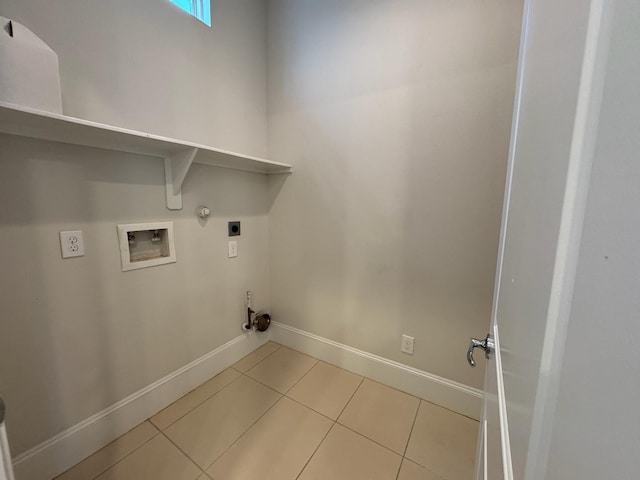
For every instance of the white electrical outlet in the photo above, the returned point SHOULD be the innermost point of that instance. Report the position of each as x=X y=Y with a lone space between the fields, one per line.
x=72 y=244
x=407 y=344
x=233 y=248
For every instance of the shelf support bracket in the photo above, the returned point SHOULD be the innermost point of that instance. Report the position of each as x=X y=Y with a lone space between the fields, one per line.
x=176 y=167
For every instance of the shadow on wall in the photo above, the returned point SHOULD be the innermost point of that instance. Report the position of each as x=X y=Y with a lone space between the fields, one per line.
x=78 y=334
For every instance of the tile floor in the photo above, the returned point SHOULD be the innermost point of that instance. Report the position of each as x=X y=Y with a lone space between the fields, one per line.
x=278 y=414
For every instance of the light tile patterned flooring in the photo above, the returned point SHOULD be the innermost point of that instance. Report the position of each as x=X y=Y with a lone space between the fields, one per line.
x=278 y=414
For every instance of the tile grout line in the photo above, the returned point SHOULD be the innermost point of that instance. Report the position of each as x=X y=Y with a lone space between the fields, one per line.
x=343 y=409
x=415 y=418
x=249 y=427
x=305 y=374
x=158 y=432
x=286 y=394
x=313 y=409
x=447 y=409
x=309 y=408
x=263 y=384
x=272 y=388
x=161 y=431
x=191 y=410
x=401 y=391
x=370 y=439
x=316 y=449
x=241 y=374
x=333 y=420
x=244 y=374
x=183 y=452
x=282 y=395
x=399 y=468
x=302 y=404
x=363 y=435
x=350 y=398
x=259 y=361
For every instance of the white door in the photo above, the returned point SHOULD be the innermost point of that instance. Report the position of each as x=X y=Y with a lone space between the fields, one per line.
x=6 y=469
x=562 y=62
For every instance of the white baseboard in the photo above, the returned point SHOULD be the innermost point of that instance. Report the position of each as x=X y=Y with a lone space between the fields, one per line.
x=446 y=393
x=61 y=452
x=64 y=450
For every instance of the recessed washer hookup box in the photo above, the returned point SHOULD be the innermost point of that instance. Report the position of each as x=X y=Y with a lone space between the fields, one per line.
x=146 y=245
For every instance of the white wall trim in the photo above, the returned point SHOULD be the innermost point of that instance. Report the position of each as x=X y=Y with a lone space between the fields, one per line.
x=441 y=391
x=59 y=453
x=62 y=451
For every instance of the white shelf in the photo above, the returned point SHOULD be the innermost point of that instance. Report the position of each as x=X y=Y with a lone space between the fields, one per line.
x=178 y=155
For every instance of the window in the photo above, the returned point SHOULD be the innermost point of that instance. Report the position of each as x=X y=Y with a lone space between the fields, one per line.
x=201 y=9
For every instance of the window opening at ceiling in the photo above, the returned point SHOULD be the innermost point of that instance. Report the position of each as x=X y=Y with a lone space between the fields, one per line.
x=201 y=9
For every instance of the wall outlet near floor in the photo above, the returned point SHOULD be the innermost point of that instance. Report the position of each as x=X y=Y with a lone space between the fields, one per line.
x=72 y=244
x=407 y=344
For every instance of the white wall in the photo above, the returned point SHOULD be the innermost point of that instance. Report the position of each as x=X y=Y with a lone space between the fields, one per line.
x=79 y=335
x=597 y=423
x=147 y=65
x=388 y=226
x=396 y=116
